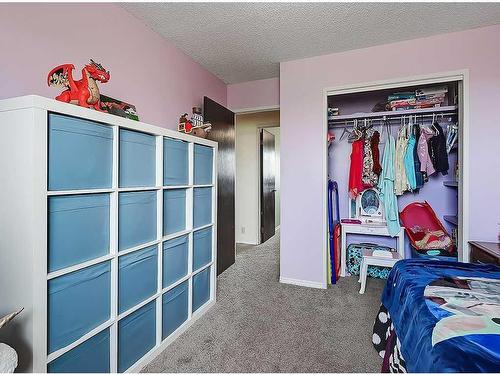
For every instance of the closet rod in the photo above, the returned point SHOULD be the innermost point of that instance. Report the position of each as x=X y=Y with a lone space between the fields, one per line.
x=343 y=123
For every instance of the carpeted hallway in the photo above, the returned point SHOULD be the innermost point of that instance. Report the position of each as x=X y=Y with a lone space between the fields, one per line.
x=260 y=325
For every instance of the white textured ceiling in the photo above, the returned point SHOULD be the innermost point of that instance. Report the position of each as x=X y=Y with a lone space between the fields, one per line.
x=246 y=41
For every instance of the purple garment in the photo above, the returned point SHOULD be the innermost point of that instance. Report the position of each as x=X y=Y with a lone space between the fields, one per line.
x=423 y=151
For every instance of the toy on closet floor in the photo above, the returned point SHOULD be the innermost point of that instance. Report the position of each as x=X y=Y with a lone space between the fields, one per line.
x=83 y=92
x=427 y=234
x=195 y=124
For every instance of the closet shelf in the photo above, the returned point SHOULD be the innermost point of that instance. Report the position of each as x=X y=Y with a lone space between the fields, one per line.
x=451 y=219
x=419 y=111
x=450 y=183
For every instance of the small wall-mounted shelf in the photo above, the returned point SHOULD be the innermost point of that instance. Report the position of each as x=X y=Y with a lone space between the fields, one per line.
x=418 y=111
x=452 y=219
x=453 y=184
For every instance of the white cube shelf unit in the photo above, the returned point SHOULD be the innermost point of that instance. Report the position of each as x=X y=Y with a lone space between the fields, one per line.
x=107 y=234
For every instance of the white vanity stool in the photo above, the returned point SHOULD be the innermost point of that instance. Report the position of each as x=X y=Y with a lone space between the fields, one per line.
x=369 y=259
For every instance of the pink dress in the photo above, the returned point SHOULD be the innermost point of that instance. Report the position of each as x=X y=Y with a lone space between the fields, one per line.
x=423 y=151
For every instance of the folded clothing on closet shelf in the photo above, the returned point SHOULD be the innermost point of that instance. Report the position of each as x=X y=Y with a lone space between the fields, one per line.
x=402 y=95
x=421 y=98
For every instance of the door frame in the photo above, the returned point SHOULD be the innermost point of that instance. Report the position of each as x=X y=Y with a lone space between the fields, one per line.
x=259 y=179
x=247 y=111
x=259 y=182
x=460 y=76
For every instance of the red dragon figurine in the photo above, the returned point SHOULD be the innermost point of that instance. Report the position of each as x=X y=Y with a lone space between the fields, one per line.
x=83 y=92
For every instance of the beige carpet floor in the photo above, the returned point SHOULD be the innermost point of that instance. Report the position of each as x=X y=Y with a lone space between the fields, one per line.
x=260 y=325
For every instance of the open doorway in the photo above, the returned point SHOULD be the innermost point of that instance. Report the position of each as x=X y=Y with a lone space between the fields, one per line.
x=269 y=182
x=250 y=187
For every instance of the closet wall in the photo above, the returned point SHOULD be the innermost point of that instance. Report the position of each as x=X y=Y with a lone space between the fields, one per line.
x=443 y=199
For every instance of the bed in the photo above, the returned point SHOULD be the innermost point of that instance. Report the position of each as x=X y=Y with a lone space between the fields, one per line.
x=439 y=316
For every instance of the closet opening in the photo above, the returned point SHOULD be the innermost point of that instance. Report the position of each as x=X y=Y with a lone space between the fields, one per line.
x=396 y=174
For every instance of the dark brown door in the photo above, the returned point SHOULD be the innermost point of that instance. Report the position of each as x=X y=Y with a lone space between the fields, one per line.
x=222 y=120
x=267 y=185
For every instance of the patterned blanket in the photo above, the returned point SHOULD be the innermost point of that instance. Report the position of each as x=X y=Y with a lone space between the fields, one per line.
x=440 y=316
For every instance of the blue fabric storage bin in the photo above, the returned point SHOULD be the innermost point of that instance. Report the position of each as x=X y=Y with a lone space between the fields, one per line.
x=137 y=218
x=78 y=229
x=80 y=153
x=201 y=288
x=175 y=308
x=175 y=259
x=77 y=303
x=174 y=211
x=202 y=247
x=175 y=162
x=137 y=277
x=137 y=159
x=136 y=335
x=91 y=356
x=202 y=206
x=203 y=165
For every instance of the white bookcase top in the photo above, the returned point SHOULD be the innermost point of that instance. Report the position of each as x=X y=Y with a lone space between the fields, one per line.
x=52 y=105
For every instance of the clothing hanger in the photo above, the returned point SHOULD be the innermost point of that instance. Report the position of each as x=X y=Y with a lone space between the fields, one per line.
x=432 y=127
x=409 y=126
x=355 y=134
x=344 y=131
x=387 y=127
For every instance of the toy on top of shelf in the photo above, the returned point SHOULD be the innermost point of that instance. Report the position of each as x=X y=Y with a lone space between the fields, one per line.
x=195 y=124
x=118 y=108
x=83 y=92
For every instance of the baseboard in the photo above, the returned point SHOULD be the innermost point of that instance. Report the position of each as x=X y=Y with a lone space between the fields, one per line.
x=247 y=243
x=298 y=282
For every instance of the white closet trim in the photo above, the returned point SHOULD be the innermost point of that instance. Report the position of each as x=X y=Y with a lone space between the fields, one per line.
x=461 y=76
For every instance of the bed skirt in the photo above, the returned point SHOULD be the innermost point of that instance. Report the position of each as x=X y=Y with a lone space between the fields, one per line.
x=387 y=344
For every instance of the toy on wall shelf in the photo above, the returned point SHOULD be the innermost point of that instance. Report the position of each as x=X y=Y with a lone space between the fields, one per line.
x=194 y=125
x=83 y=92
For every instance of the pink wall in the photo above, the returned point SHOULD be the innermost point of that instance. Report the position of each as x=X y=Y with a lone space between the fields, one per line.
x=302 y=139
x=254 y=94
x=146 y=70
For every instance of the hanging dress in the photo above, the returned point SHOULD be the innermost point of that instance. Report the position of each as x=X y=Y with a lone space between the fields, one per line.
x=426 y=166
x=375 y=140
x=418 y=174
x=369 y=178
x=355 y=170
x=408 y=160
x=401 y=181
x=437 y=151
x=386 y=188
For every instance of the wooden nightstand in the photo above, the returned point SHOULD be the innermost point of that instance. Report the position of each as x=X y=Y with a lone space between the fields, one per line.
x=485 y=252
